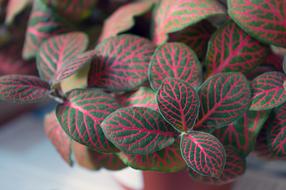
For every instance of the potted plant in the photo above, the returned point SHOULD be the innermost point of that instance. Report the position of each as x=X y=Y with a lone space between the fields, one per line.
x=199 y=94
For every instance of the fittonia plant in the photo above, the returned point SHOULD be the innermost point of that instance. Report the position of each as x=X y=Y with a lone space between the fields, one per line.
x=194 y=95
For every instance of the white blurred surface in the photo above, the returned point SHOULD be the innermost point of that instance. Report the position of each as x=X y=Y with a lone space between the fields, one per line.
x=29 y=162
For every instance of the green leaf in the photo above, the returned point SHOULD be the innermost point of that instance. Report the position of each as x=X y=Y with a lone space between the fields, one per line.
x=58 y=51
x=203 y=153
x=138 y=130
x=224 y=98
x=268 y=91
x=81 y=115
x=231 y=49
x=172 y=15
x=179 y=104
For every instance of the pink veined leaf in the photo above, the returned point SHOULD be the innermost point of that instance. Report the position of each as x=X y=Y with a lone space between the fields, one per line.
x=23 y=88
x=234 y=167
x=71 y=66
x=203 y=153
x=15 y=7
x=175 y=15
x=264 y=20
x=81 y=115
x=174 y=60
x=231 y=49
x=92 y=160
x=143 y=97
x=268 y=91
x=57 y=52
x=243 y=132
x=276 y=131
x=122 y=63
x=138 y=130
x=123 y=18
x=75 y=10
x=58 y=137
x=224 y=98
x=196 y=37
x=178 y=103
x=168 y=159
x=43 y=23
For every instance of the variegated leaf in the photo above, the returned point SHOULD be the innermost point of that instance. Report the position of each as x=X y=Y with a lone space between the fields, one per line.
x=224 y=98
x=203 y=153
x=43 y=23
x=178 y=103
x=138 y=130
x=81 y=115
x=23 y=88
x=174 y=15
x=174 y=60
x=196 y=37
x=121 y=63
x=234 y=167
x=57 y=52
x=268 y=91
x=264 y=20
x=243 y=132
x=231 y=49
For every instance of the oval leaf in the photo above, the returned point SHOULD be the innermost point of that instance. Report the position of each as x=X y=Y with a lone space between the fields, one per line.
x=81 y=115
x=167 y=160
x=268 y=91
x=23 y=88
x=203 y=153
x=58 y=137
x=224 y=98
x=58 y=50
x=234 y=167
x=143 y=97
x=122 y=63
x=71 y=66
x=178 y=103
x=264 y=20
x=196 y=37
x=43 y=23
x=231 y=49
x=93 y=160
x=174 y=60
x=276 y=133
x=137 y=130
x=174 y=15
x=123 y=18
x=243 y=132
